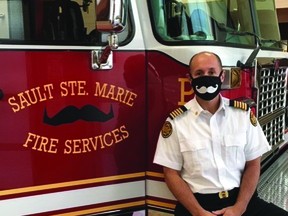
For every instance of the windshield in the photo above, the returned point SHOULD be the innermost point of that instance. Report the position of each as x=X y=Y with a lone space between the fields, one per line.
x=225 y=21
x=53 y=22
x=268 y=28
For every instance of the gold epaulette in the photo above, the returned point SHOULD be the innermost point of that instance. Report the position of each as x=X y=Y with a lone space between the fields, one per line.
x=177 y=112
x=239 y=105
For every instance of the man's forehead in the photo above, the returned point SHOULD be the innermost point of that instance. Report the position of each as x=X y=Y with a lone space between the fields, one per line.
x=203 y=56
x=205 y=60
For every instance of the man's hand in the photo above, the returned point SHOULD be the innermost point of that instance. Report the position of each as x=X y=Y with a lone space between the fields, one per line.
x=204 y=213
x=229 y=211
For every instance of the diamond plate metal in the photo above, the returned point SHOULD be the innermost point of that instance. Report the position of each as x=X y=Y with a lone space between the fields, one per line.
x=273 y=184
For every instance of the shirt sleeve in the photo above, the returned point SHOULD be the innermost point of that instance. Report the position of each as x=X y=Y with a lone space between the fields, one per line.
x=257 y=143
x=168 y=150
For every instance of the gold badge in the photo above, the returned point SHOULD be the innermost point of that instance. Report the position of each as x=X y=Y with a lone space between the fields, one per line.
x=253 y=119
x=166 y=129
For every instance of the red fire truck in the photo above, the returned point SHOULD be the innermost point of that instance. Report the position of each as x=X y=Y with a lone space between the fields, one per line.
x=83 y=101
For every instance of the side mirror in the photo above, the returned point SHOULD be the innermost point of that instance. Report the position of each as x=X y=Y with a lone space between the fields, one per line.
x=111 y=15
x=111 y=18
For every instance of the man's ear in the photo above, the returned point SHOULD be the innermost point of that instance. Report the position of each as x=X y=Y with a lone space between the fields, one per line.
x=222 y=77
x=189 y=77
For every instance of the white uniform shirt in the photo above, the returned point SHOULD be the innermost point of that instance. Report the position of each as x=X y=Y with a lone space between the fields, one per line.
x=211 y=150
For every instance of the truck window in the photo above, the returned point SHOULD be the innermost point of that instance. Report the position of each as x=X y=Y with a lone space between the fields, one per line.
x=268 y=23
x=59 y=22
x=198 y=20
x=208 y=21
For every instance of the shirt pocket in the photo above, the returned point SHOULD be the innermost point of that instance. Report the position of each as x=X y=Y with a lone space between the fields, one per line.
x=196 y=155
x=233 y=151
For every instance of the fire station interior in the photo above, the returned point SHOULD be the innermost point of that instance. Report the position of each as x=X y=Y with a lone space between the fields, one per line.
x=283 y=19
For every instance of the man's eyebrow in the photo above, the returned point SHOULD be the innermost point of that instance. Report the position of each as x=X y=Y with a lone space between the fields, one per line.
x=212 y=68
x=209 y=69
x=199 y=70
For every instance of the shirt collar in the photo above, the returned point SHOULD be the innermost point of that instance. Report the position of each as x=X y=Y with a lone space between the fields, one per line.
x=223 y=103
x=196 y=109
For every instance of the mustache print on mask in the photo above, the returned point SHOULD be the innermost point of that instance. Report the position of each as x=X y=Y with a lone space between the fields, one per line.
x=71 y=114
x=204 y=89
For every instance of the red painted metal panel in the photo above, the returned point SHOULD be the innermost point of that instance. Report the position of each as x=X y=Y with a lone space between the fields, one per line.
x=79 y=142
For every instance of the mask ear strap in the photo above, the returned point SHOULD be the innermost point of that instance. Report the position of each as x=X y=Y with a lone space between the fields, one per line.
x=189 y=76
x=221 y=73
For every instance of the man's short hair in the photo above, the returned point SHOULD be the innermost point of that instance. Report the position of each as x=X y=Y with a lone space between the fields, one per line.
x=218 y=58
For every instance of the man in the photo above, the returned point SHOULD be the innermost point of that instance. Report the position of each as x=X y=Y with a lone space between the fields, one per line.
x=210 y=150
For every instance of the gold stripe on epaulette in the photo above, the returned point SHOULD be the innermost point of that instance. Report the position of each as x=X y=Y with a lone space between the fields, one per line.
x=177 y=112
x=240 y=105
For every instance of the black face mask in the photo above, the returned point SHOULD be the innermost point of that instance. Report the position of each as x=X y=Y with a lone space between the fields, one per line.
x=207 y=87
